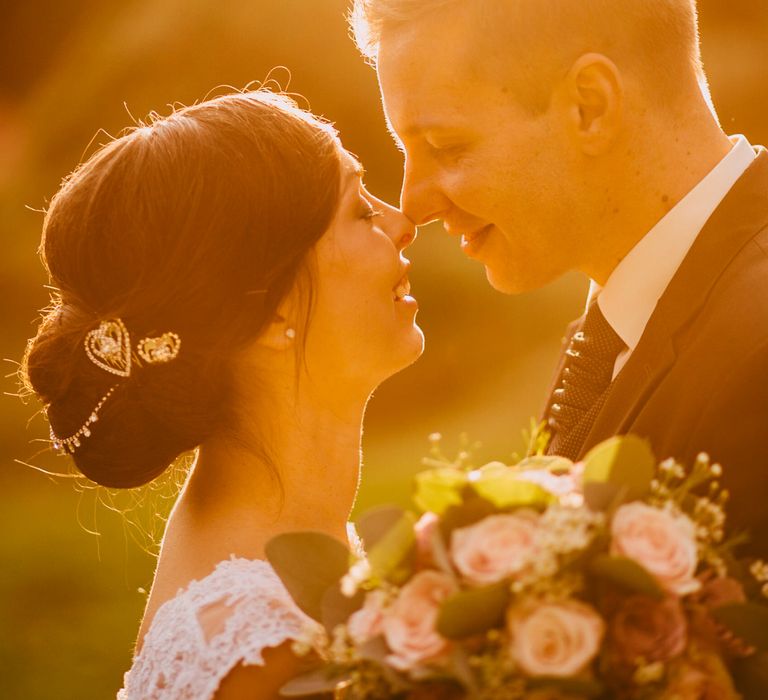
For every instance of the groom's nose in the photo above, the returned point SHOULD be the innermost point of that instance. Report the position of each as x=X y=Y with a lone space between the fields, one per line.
x=421 y=199
x=399 y=227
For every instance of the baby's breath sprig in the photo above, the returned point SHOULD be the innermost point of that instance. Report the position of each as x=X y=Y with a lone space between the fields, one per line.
x=495 y=670
x=464 y=459
x=759 y=569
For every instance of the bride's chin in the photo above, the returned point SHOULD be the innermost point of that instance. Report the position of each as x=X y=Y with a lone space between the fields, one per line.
x=412 y=345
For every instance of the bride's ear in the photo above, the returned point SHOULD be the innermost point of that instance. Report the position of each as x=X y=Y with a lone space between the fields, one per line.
x=279 y=335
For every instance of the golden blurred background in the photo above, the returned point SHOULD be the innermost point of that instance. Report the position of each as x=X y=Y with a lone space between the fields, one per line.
x=75 y=561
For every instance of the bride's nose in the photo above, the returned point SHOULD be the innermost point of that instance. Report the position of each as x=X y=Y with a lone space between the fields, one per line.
x=399 y=228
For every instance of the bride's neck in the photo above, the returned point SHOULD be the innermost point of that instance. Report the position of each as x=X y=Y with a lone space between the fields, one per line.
x=296 y=468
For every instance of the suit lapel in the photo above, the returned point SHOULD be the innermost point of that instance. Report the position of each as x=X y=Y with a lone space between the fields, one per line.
x=742 y=213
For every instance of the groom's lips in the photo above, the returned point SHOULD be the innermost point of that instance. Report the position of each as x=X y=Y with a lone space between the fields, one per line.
x=471 y=243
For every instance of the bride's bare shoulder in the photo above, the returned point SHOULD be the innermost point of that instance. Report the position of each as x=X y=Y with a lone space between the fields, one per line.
x=261 y=682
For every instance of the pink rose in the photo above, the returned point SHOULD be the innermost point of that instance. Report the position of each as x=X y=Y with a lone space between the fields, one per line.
x=425 y=530
x=368 y=622
x=648 y=629
x=409 y=623
x=662 y=542
x=555 y=639
x=496 y=547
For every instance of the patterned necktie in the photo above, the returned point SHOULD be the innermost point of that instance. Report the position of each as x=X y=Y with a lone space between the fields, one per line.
x=584 y=380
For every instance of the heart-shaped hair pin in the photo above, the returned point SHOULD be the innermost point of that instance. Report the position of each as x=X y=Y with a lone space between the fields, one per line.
x=109 y=347
x=158 y=350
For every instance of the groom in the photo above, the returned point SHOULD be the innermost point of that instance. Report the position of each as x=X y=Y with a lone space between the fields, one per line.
x=552 y=135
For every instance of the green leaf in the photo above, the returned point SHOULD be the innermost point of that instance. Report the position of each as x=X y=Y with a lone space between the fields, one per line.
x=317 y=682
x=336 y=608
x=391 y=550
x=308 y=563
x=554 y=464
x=748 y=621
x=626 y=461
x=473 y=611
x=471 y=511
x=502 y=486
x=604 y=497
x=377 y=522
x=626 y=573
x=437 y=489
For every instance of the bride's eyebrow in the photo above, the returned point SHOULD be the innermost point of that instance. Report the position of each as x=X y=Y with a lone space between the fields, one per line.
x=358 y=171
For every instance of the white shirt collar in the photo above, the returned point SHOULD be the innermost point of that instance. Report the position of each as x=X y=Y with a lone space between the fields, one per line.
x=631 y=293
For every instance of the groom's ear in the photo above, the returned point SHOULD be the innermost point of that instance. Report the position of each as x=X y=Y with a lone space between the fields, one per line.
x=594 y=94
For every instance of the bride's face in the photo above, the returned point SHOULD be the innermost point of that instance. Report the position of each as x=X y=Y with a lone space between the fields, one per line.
x=363 y=326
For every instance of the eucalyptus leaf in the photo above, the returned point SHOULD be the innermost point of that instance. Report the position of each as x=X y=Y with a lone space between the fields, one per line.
x=472 y=510
x=473 y=611
x=504 y=489
x=602 y=497
x=308 y=563
x=336 y=608
x=626 y=461
x=438 y=489
x=553 y=463
x=627 y=574
x=748 y=621
x=376 y=523
x=388 y=555
x=317 y=682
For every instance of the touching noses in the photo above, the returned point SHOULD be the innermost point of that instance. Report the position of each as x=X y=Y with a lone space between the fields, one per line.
x=420 y=199
x=399 y=228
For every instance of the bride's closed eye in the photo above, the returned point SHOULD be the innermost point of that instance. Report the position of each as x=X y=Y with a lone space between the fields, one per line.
x=367 y=212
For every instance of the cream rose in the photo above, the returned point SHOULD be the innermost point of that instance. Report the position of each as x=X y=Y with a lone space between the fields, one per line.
x=663 y=542
x=409 y=623
x=368 y=622
x=496 y=547
x=555 y=639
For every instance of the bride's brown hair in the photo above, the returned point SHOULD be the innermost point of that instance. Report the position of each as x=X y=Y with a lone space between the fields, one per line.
x=197 y=223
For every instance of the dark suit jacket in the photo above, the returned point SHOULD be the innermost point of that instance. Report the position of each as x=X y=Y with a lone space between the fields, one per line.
x=698 y=379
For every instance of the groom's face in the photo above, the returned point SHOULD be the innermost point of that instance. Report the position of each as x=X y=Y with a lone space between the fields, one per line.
x=494 y=171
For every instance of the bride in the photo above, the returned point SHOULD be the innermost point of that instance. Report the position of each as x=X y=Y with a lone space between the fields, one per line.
x=226 y=283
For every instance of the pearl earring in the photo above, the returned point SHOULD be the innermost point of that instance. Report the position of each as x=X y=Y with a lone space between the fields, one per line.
x=290 y=333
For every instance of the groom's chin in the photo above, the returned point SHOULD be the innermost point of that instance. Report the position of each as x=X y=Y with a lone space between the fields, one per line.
x=518 y=280
x=506 y=283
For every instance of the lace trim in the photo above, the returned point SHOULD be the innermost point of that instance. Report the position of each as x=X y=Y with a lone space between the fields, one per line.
x=177 y=662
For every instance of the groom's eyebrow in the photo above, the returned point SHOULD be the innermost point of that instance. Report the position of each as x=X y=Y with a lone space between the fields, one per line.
x=393 y=134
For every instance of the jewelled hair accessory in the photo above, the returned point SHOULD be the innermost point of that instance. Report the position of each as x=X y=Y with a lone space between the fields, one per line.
x=109 y=348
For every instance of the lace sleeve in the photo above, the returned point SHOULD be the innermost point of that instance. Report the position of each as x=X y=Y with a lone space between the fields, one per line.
x=223 y=620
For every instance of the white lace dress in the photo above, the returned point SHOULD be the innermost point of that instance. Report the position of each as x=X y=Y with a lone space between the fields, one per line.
x=225 y=619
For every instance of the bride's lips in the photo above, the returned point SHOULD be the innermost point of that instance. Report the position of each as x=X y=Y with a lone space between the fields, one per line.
x=471 y=243
x=402 y=290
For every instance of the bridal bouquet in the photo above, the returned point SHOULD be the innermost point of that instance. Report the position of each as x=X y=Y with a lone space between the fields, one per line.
x=610 y=578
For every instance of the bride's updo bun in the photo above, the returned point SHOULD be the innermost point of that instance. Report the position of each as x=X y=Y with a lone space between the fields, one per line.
x=198 y=223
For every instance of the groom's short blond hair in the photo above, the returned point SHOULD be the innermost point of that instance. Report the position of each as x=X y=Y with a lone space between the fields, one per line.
x=656 y=39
